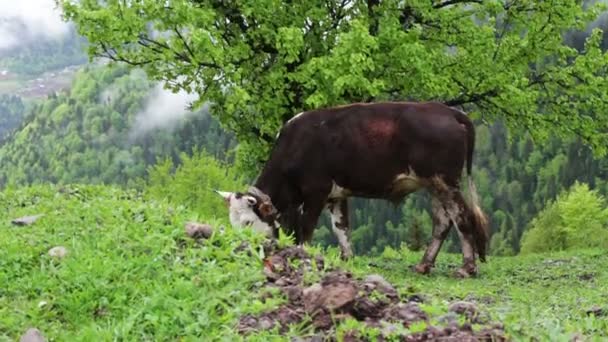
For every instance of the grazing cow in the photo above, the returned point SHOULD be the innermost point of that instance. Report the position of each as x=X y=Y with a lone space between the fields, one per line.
x=380 y=150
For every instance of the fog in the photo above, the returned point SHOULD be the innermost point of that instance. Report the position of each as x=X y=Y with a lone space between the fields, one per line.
x=23 y=21
x=162 y=109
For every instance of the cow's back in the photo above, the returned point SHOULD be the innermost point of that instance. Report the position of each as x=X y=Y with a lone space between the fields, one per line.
x=363 y=147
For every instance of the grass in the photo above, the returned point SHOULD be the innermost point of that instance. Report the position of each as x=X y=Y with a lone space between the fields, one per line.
x=132 y=274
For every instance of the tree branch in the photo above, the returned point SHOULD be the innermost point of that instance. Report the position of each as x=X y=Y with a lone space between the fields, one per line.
x=454 y=2
x=111 y=54
x=179 y=34
x=373 y=18
x=472 y=98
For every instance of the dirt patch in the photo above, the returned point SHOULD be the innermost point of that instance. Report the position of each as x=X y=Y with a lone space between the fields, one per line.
x=338 y=295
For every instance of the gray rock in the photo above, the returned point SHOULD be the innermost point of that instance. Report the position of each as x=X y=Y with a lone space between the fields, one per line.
x=32 y=335
x=198 y=230
x=58 y=252
x=26 y=220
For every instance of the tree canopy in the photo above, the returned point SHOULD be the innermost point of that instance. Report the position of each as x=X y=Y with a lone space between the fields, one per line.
x=259 y=62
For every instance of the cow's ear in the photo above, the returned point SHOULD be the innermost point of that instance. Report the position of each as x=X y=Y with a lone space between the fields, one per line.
x=251 y=200
x=265 y=209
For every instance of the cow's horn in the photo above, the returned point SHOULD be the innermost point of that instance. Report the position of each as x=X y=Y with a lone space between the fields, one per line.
x=257 y=192
x=224 y=194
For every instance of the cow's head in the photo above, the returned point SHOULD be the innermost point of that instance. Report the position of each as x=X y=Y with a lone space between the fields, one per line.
x=251 y=209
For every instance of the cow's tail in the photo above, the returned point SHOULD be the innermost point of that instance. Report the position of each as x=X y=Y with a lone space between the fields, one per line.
x=480 y=222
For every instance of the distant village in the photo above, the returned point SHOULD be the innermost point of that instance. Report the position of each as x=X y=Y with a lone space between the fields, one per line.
x=42 y=85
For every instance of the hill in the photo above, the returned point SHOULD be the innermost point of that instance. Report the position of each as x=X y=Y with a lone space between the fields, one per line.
x=108 y=128
x=131 y=272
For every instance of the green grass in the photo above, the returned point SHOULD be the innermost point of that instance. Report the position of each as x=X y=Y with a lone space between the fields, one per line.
x=132 y=274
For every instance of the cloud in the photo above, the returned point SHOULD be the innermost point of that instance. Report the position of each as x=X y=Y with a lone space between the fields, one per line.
x=162 y=109
x=26 y=20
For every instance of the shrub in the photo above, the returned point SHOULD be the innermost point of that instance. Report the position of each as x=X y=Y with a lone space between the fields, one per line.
x=192 y=182
x=576 y=219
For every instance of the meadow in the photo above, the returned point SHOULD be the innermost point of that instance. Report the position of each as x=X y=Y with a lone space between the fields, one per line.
x=132 y=273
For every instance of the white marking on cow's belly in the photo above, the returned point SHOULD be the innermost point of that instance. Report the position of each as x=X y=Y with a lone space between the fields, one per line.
x=405 y=183
x=338 y=191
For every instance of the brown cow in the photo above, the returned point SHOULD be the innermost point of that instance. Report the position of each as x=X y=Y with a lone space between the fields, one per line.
x=380 y=150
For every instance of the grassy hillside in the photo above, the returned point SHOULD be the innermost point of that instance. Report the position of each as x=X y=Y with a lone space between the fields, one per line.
x=131 y=273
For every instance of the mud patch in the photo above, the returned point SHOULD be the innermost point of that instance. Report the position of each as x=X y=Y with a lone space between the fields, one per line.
x=371 y=300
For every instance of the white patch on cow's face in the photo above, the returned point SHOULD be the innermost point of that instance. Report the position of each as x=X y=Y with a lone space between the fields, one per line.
x=242 y=215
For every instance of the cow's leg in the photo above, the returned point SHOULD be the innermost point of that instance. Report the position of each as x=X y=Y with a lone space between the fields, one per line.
x=311 y=210
x=338 y=210
x=465 y=234
x=450 y=208
x=441 y=228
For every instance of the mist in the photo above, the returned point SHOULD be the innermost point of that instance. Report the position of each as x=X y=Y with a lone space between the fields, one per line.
x=162 y=109
x=23 y=21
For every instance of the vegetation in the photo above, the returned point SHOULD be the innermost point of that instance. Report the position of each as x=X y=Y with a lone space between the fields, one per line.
x=87 y=135
x=117 y=193
x=192 y=183
x=11 y=112
x=131 y=272
x=260 y=62
x=576 y=219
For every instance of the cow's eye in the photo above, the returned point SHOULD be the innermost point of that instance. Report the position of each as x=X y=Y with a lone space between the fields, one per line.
x=248 y=223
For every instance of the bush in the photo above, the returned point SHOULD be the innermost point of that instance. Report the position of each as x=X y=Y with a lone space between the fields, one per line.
x=576 y=219
x=192 y=183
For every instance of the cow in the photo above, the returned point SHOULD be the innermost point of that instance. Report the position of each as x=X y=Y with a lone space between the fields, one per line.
x=381 y=150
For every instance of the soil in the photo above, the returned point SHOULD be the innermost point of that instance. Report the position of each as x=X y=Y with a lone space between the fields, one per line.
x=338 y=295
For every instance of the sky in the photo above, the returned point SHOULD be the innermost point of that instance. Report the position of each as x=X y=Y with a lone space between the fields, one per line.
x=40 y=18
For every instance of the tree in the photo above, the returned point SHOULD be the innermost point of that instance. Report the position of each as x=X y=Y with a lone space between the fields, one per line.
x=258 y=63
x=576 y=219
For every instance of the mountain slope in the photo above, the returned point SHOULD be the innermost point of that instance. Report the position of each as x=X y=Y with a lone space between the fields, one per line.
x=87 y=134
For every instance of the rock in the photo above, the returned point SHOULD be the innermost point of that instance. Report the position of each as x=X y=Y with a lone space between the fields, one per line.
x=375 y=281
x=314 y=338
x=265 y=323
x=464 y=308
x=406 y=312
x=335 y=292
x=596 y=311
x=293 y=293
x=198 y=230
x=32 y=335
x=449 y=318
x=371 y=301
x=26 y=220
x=58 y=252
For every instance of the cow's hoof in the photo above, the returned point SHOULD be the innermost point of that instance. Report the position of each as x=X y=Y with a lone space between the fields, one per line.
x=345 y=256
x=423 y=268
x=466 y=272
